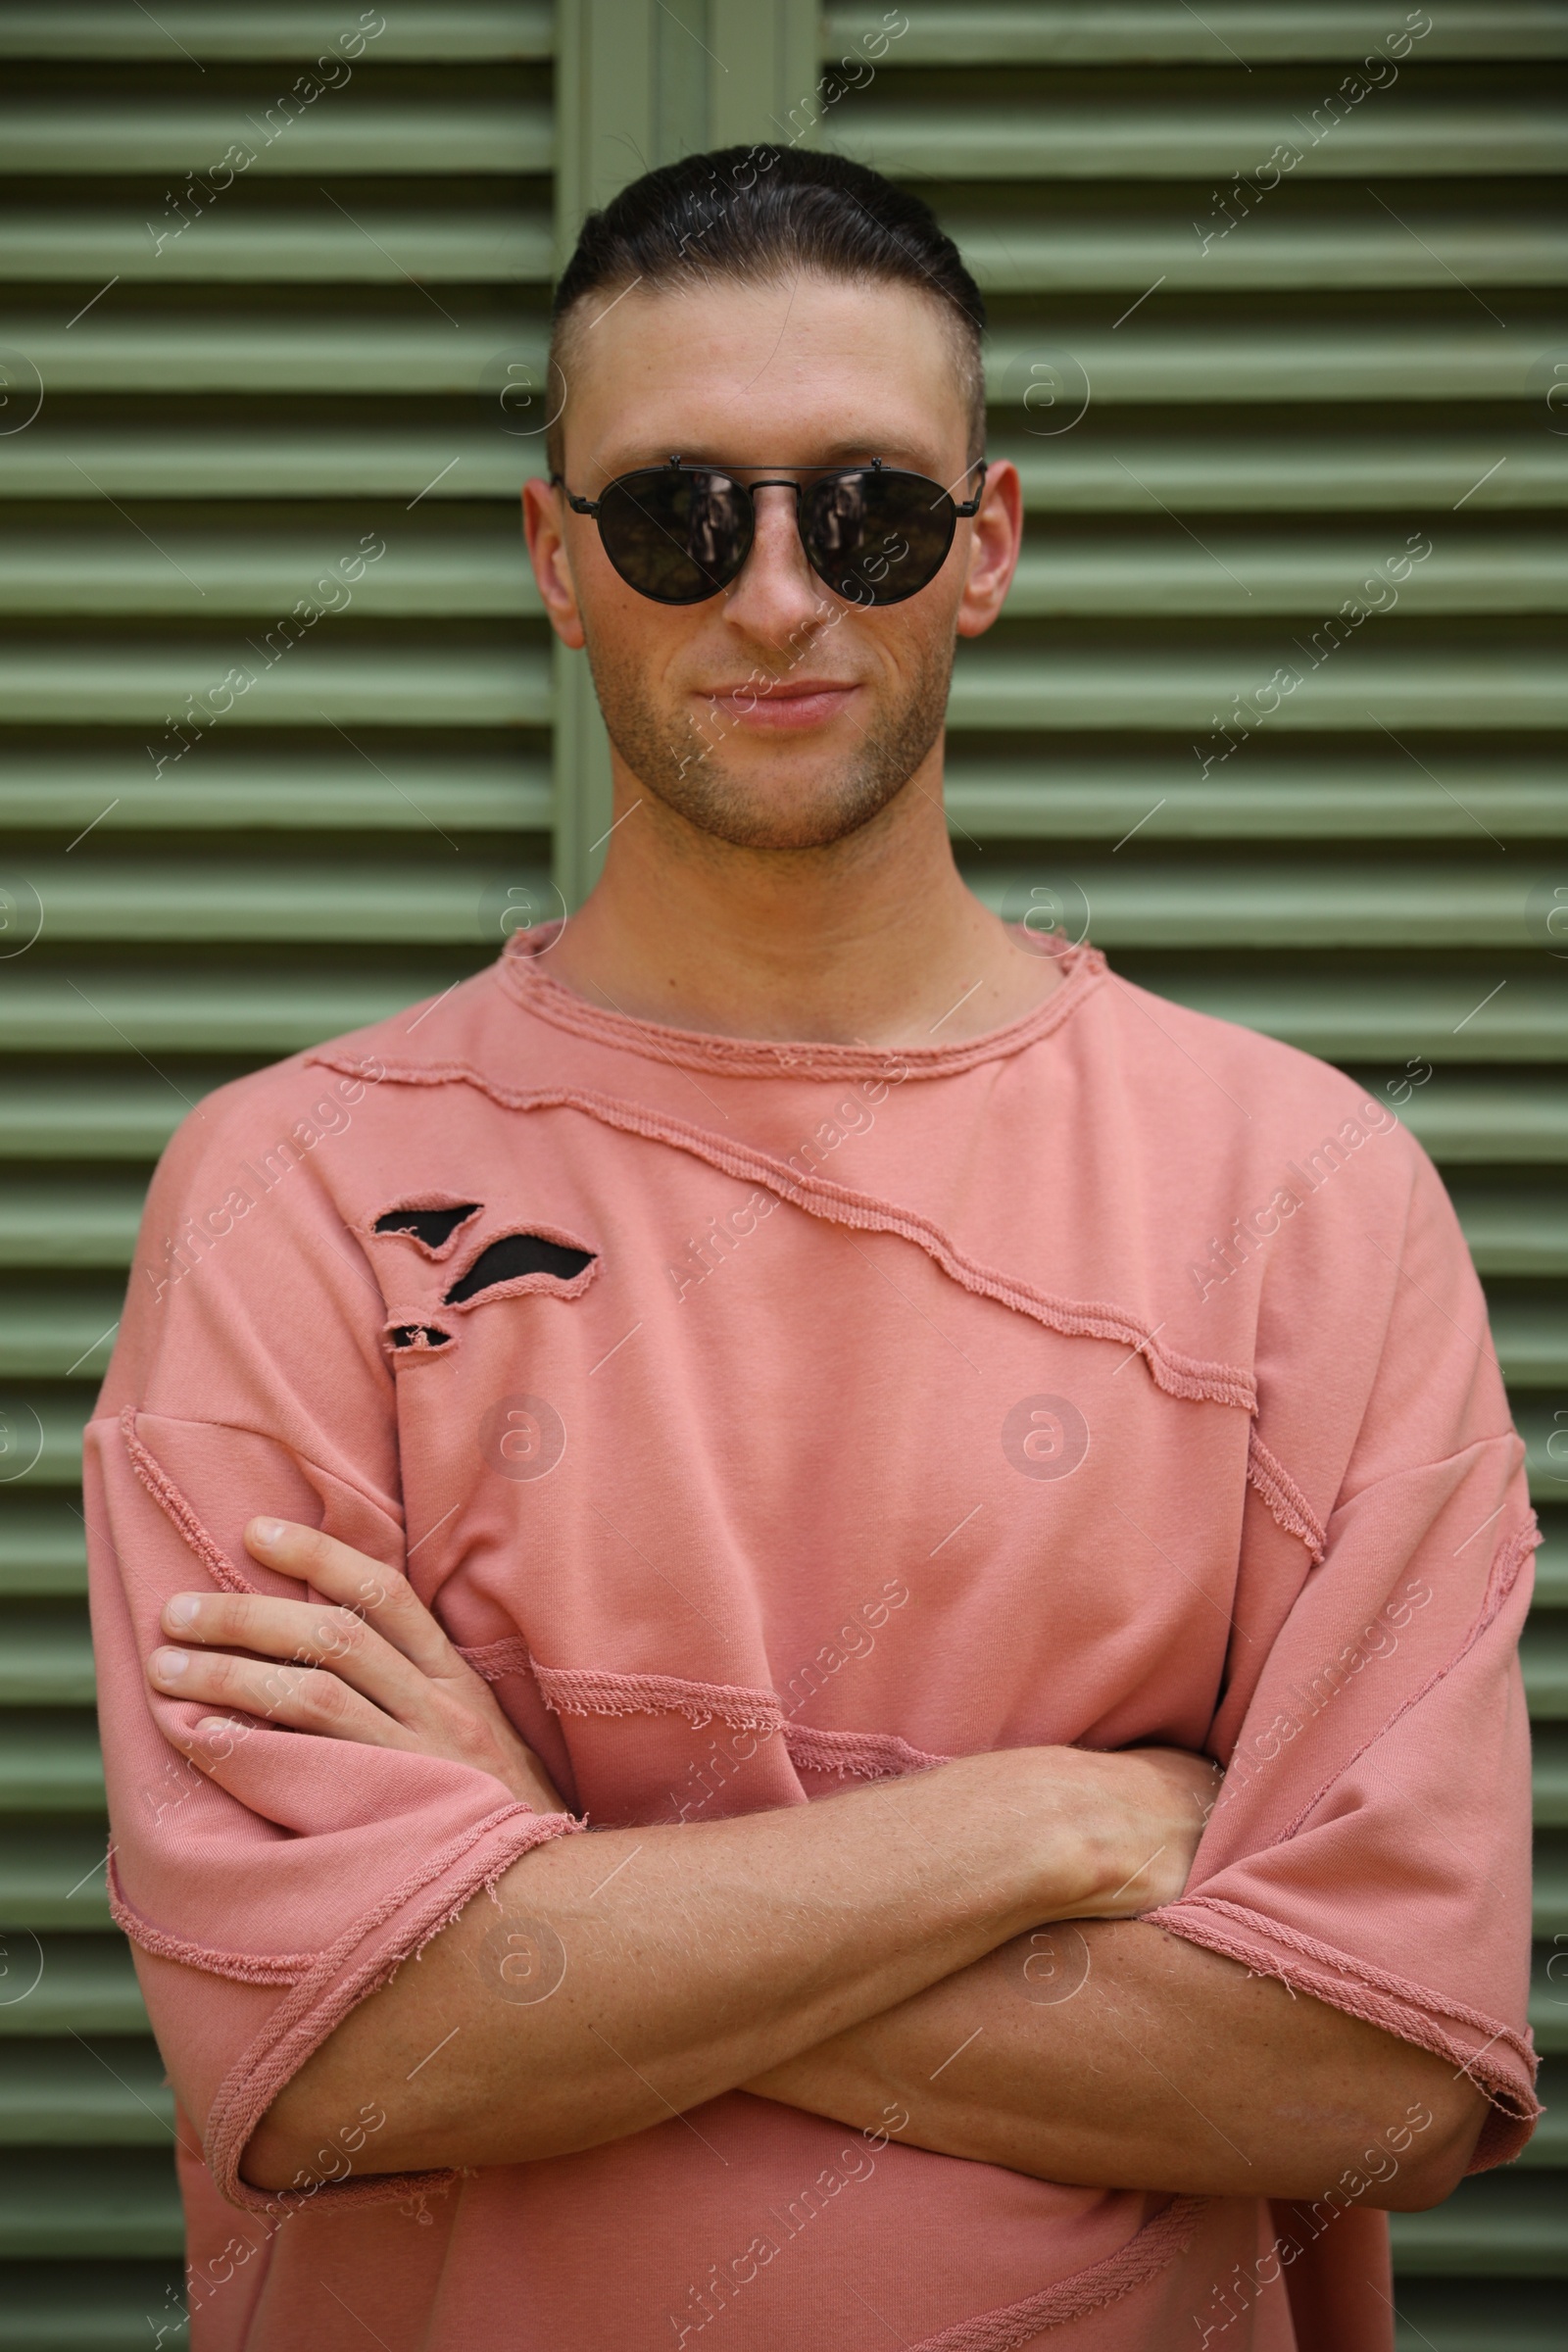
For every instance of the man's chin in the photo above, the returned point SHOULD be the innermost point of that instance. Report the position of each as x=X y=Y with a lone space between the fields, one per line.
x=748 y=813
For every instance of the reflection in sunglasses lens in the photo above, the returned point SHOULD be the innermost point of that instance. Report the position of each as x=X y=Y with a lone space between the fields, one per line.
x=676 y=537
x=875 y=538
x=878 y=538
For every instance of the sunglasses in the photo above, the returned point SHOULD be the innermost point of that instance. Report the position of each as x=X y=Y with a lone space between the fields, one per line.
x=679 y=533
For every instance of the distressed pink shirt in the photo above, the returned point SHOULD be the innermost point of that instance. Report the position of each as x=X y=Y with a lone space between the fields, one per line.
x=758 y=1416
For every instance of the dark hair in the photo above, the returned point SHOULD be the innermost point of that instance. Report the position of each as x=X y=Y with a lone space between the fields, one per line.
x=754 y=213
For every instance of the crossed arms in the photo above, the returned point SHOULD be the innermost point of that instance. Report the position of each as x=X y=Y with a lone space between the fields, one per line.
x=874 y=1952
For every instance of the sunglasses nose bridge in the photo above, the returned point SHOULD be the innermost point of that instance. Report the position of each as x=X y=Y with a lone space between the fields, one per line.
x=789 y=516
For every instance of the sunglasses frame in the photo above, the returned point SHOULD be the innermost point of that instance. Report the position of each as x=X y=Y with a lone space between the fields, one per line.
x=961 y=510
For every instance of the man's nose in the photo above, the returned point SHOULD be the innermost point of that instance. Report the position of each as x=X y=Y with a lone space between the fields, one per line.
x=777 y=594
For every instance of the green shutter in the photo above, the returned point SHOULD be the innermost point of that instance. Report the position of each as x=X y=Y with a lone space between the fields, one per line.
x=347 y=344
x=316 y=358
x=1221 y=442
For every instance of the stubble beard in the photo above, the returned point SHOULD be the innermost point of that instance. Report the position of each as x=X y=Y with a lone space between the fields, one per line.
x=686 y=769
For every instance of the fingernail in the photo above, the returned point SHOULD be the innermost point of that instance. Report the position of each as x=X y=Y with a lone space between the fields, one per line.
x=268 y=1530
x=170 y=1664
x=183 y=1610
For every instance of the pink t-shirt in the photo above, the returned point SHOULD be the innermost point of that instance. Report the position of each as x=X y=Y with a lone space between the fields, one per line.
x=755 y=1416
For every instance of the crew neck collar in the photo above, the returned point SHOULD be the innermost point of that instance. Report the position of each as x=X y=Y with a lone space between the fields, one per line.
x=522 y=972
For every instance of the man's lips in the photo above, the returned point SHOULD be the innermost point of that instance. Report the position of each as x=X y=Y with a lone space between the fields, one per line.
x=790 y=704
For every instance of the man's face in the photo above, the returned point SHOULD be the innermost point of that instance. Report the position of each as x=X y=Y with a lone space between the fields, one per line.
x=774 y=716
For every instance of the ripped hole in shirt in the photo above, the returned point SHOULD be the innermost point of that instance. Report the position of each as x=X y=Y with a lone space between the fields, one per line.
x=434 y=1227
x=418 y=1335
x=513 y=1256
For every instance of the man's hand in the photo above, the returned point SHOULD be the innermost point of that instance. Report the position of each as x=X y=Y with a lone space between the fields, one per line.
x=368 y=1663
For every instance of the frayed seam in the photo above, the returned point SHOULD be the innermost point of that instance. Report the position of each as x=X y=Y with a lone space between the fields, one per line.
x=174 y=1507
x=1361 y=1989
x=1287 y=1503
x=1015 y=2326
x=1194 y=1379
x=245 y=1968
x=318 y=2003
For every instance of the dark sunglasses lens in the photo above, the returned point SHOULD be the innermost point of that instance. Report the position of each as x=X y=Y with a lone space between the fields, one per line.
x=876 y=538
x=675 y=537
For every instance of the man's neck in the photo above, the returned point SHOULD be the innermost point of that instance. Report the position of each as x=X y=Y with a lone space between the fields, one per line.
x=874 y=939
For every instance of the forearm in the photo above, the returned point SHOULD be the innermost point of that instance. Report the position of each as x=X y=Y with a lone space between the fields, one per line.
x=697 y=1957
x=1166 y=2067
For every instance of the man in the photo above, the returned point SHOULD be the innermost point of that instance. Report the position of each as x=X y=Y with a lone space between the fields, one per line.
x=862 y=1413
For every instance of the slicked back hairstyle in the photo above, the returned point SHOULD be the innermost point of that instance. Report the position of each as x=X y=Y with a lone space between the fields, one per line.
x=761 y=213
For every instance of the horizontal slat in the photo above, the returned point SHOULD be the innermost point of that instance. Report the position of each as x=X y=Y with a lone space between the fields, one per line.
x=1249 y=573
x=1544 y=1655
x=378 y=246
x=1549 y=2148
x=43 y=1550
x=49 y=1763
x=1131 y=32
x=1551 y=1560
x=143 y=563
x=1511 y=1231
x=1087 y=684
x=1531 y=1334
x=95 y=2306
x=366 y=132
x=1476 y=1115
x=1392 y=1015
x=45 y=1656
x=73 y=2202
x=1218 y=363
x=270 y=1013
x=1317 y=472
x=1211 y=250
x=130 y=1116
x=61 y=1223
x=1201 y=139
x=1546 y=1461
x=366 y=790
x=66 y=1336
x=1549 y=1999
x=1470 y=2315
x=71 y=2094
x=1230 y=362
x=40 y=1442
x=52 y=1874
x=340 y=679
x=1074 y=472
x=1507 y=2223
x=1549 y=1774
x=59 y=1983
x=1426 y=794
x=444 y=31
x=1300 y=902
x=365 y=243
x=451 y=899
x=225 y=349
x=434 y=465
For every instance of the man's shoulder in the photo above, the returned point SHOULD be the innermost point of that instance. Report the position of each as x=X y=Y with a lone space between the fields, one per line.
x=1198 y=1080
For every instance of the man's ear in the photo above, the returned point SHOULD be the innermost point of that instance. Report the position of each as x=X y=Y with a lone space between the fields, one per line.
x=996 y=537
x=544 y=512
